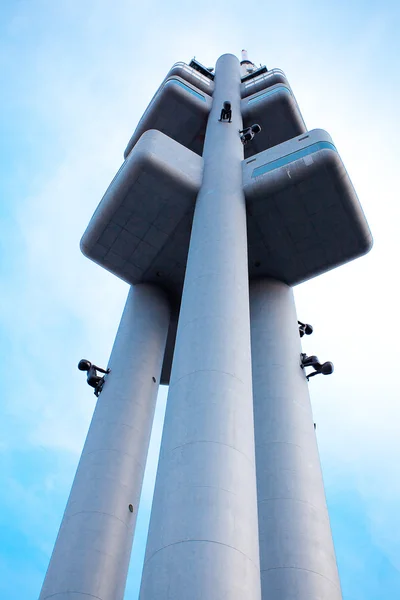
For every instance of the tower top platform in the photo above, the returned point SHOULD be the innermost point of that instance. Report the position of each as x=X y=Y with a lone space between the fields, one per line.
x=182 y=103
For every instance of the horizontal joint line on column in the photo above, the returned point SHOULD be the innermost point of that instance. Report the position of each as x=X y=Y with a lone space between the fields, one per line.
x=202 y=541
x=202 y=318
x=296 y=500
x=274 y=470
x=205 y=243
x=118 y=423
x=206 y=371
x=84 y=454
x=301 y=569
x=71 y=592
x=281 y=399
x=275 y=442
x=111 y=481
x=212 y=487
x=98 y=512
x=212 y=442
x=272 y=363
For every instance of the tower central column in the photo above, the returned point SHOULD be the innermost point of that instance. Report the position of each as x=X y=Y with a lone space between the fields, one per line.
x=203 y=536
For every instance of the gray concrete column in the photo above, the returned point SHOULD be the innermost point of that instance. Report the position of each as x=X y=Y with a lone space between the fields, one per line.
x=203 y=537
x=296 y=550
x=92 y=550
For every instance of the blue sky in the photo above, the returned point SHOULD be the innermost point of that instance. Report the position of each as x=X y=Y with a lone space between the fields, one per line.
x=76 y=77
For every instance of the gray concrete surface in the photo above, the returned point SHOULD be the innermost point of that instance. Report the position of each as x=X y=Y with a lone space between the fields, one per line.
x=275 y=109
x=203 y=536
x=92 y=550
x=180 y=110
x=296 y=550
x=304 y=216
x=141 y=229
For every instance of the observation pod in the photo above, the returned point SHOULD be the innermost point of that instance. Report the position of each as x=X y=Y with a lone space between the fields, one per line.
x=179 y=110
x=303 y=214
x=192 y=218
x=141 y=228
x=276 y=111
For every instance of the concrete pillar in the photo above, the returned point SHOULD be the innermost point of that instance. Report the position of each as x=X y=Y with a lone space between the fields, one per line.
x=296 y=550
x=203 y=537
x=92 y=550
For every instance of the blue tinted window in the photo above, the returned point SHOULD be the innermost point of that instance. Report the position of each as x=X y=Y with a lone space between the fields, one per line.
x=280 y=162
x=187 y=88
x=281 y=88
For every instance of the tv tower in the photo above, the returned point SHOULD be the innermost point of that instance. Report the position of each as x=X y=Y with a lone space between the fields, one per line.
x=224 y=203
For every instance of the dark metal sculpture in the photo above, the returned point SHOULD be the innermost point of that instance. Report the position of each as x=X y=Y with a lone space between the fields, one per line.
x=226 y=112
x=325 y=368
x=305 y=329
x=93 y=379
x=247 y=134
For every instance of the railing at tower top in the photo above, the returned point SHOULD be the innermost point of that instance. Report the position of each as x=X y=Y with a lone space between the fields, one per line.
x=208 y=73
x=251 y=85
x=196 y=74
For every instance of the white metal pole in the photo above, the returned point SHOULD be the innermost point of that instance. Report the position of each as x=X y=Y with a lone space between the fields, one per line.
x=203 y=537
x=296 y=549
x=92 y=550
